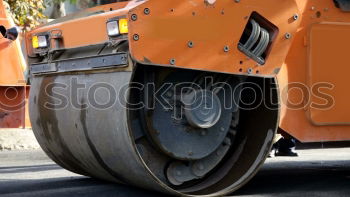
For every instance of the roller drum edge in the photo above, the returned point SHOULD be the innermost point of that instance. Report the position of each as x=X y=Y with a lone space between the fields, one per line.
x=83 y=123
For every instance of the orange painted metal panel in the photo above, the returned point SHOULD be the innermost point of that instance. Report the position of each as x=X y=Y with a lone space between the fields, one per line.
x=2 y=10
x=13 y=88
x=165 y=33
x=329 y=63
x=297 y=121
x=12 y=65
x=80 y=31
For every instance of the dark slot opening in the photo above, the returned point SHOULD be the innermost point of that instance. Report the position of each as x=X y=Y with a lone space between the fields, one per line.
x=265 y=24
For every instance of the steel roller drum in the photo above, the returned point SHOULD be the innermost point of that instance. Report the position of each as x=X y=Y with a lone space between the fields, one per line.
x=84 y=123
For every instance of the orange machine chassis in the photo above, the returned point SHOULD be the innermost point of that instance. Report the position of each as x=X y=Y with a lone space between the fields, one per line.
x=204 y=35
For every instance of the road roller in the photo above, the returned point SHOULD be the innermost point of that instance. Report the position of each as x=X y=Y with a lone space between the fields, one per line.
x=185 y=97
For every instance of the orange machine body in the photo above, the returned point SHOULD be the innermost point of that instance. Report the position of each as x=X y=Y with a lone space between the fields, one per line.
x=318 y=62
x=307 y=52
x=13 y=87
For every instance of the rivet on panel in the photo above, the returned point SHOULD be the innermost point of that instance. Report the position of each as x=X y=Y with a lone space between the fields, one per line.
x=172 y=61
x=296 y=16
x=134 y=17
x=136 y=37
x=226 y=49
x=147 y=11
x=250 y=70
x=288 y=36
x=190 y=44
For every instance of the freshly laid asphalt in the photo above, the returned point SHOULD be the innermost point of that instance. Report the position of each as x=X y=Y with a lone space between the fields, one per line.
x=317 y=172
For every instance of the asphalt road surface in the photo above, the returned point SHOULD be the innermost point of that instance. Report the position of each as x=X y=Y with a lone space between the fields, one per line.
x=317 y=172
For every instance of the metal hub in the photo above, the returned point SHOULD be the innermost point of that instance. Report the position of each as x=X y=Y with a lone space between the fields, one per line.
x=197 y=124
x=202 y=108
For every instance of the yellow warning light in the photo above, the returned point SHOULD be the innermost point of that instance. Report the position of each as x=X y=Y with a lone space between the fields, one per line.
x=35 y=42
x=123 y=26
